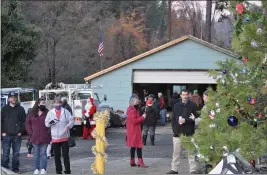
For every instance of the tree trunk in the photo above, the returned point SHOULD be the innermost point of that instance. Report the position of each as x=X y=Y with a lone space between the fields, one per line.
x=208 y=20
x=53 y=71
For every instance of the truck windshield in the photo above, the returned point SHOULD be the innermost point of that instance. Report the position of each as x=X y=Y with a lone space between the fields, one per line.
x=26 y=96
x=84 y=96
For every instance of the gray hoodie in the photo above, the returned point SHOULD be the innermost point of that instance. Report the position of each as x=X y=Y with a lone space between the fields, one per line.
x=66 y=121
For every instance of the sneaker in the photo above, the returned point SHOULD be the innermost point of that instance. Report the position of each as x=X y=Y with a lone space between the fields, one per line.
x=43 y=171
x=49 y=157
x=36 y=172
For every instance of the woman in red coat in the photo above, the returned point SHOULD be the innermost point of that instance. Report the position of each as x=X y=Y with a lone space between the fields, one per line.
x=133 y=132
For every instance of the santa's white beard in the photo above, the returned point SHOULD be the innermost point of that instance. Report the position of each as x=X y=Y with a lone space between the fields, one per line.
x=87 y=107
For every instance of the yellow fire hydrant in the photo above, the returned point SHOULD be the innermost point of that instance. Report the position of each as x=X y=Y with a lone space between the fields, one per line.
x=102 y=119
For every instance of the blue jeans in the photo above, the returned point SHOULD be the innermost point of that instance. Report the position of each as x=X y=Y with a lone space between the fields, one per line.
x=13 y=142
x=163 y=116
x=40 y=154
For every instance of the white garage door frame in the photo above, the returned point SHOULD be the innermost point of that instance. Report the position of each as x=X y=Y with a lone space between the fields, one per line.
x=172 y=77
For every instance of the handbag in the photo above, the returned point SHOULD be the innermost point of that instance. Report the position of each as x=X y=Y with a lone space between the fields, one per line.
x=71 y=141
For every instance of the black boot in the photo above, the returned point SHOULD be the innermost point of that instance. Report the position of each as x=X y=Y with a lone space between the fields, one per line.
x=152 y=140
x=144 y=139
x=67 y=172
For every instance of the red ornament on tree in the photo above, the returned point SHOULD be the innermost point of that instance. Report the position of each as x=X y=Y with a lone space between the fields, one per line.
x=239 y=8
x=245 y=60
x=252 y=101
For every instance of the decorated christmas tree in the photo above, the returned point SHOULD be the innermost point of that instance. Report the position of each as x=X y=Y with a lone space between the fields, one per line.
x=236 y=112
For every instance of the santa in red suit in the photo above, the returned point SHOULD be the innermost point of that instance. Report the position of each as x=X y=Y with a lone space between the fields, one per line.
x=89 y=122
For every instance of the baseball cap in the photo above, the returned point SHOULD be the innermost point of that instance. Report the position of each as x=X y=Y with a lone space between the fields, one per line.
x=11 y=94
x=195 y=91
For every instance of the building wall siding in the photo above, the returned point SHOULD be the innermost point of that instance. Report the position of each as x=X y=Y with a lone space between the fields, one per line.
x=117 y=84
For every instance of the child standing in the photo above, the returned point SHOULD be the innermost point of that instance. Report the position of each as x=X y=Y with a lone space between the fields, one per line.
x=49 y=151
x=29 y=146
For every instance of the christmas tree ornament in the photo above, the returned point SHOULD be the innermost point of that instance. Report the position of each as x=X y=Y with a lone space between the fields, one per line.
x=223 y=81
x=217 y=107
x=232 y=121
x=211 y=147
x=254 y=44
x=259 y=31
x=245 y=60
x=212 y=125
x=260 y=115
x=214 y=77
x=224 y=71
x=246 y=17
x=244 y=70
x=249 y=98
x=212 y=114
x=239 y=8
x=252 y=101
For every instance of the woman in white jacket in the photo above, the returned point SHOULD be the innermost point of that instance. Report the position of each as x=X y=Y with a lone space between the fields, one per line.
x=61 y=121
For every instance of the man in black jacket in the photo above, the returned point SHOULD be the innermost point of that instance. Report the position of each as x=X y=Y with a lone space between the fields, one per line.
x=12 y=126
x=183 y=123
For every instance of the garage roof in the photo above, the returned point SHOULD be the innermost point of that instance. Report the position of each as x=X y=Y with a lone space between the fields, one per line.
x=169 y=44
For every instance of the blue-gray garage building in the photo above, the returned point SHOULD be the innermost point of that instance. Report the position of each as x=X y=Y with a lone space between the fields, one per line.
x=182 y=63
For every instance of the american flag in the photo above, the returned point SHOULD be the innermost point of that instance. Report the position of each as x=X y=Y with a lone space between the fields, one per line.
x=101 y=46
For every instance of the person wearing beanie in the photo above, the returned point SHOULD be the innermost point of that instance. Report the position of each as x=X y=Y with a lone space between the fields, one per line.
x=149 y=125
x=133 y=132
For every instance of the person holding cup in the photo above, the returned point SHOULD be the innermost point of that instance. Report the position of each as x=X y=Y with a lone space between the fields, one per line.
x=133 y=132
x=183 y=123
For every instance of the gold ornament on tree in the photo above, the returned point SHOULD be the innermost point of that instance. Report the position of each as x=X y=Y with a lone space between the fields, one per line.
x=102 y=119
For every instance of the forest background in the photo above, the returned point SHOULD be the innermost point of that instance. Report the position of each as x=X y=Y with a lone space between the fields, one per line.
x=57 y=41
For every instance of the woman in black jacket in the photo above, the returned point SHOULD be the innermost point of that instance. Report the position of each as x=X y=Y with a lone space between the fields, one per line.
x=149 y=125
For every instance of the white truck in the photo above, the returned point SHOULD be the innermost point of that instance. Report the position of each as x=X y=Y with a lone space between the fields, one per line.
x=76 y=95
x=26 y=97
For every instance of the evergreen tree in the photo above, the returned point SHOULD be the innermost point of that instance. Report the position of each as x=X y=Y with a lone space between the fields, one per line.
x=236 y=113
x=19 y=43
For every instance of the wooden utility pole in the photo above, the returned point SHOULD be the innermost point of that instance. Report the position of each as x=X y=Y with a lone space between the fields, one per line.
x=169 y=19
x=208 y=20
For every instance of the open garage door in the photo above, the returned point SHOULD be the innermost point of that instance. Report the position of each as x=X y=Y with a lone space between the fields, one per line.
x=172 y=77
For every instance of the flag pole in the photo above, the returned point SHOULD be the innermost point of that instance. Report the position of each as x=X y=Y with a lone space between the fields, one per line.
x=101 y=59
